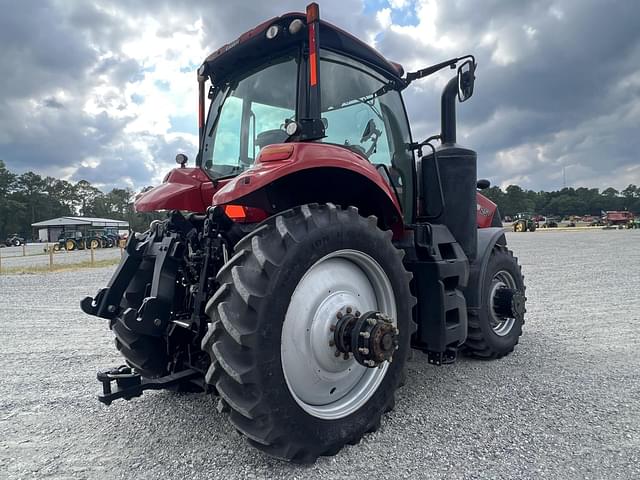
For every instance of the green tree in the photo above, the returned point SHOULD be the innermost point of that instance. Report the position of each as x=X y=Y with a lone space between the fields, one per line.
x=30 y=188
x=87 y=195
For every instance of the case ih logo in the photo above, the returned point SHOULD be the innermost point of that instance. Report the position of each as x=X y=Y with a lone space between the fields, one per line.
x=483 y=211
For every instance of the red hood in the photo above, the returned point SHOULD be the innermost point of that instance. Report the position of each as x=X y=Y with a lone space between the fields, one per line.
x=187 y=189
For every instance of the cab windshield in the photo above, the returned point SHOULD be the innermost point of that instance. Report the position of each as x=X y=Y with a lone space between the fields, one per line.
x=248 y=113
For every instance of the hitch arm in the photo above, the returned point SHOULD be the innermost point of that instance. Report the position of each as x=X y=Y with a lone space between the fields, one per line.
x=130 y=384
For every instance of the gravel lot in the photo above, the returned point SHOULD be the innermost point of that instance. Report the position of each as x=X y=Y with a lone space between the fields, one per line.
x=566 y=404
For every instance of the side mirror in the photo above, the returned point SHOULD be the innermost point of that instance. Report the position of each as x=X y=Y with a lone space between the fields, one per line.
x=181 y=159
x=483 y=184
x=466 y=79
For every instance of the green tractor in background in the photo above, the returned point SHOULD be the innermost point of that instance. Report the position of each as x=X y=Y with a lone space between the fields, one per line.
x=523 y=222
x=71 y=240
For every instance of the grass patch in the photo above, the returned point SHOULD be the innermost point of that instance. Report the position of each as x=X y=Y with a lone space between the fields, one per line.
x=60 y=267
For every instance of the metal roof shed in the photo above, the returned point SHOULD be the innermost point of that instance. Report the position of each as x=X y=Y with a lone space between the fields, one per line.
x=50 y=230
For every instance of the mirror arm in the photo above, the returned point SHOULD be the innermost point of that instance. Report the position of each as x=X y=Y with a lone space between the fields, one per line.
x=425 y=72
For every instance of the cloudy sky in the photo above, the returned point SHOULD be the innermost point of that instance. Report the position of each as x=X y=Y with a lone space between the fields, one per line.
x=106 y=90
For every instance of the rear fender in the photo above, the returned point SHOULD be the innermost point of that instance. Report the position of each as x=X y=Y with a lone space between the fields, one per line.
x=316 y=173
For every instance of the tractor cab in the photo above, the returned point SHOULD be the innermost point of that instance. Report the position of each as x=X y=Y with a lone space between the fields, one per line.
x=279 y=84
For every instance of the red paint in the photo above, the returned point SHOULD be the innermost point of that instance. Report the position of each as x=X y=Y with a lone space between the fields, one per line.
x=485 y=211
x=304 y=156
x=187 y=189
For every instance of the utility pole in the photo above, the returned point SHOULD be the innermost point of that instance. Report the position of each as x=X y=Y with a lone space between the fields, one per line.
x=564 y=177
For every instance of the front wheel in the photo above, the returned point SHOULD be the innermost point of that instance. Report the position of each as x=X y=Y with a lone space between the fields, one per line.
x=495 y=328
x=310 y=331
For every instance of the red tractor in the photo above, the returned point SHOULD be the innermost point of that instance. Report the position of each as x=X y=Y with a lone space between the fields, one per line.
x=312 y=246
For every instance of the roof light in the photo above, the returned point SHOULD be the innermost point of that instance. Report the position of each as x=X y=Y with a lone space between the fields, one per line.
x=292 y=128
x=272 y=31
x=295 y=26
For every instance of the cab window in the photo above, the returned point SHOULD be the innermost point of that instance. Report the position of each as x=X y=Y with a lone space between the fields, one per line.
x=358 y=115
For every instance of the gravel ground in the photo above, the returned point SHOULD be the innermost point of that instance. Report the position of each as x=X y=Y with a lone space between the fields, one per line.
x=566 y=404
x=35 y=256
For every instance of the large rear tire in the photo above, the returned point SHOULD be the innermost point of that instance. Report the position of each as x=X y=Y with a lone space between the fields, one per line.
x=273 y=362
x=491 y=335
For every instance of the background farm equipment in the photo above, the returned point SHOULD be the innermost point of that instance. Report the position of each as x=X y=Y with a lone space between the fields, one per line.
x=321 y=244
x=617 y=218
x=549 y=222
x=73 y=240
x=14 y=240
x=524 y=222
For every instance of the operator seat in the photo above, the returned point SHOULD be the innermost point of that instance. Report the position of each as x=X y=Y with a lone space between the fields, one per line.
x=269 y=137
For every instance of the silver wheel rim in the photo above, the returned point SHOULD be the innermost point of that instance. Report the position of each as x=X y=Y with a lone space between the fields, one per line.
x=324 y=385
x=500 y=325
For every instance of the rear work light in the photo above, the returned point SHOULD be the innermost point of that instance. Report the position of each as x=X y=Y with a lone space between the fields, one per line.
x=273 y=153
x=244 y=214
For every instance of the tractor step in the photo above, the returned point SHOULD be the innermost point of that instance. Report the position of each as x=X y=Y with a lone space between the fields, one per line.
x=130 y=384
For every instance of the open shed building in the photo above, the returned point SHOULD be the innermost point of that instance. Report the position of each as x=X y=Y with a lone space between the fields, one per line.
x=52 y=230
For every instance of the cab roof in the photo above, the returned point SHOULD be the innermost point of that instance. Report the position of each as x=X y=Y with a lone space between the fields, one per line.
x=252 y=47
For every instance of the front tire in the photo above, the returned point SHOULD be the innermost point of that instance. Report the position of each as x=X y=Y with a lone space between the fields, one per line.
x=491 y=335
x=267 y=318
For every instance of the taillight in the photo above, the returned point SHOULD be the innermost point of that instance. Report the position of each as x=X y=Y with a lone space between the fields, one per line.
x=273 y=153
x=244 y=214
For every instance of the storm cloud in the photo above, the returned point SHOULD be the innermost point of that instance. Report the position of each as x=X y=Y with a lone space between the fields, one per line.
x=105 y=91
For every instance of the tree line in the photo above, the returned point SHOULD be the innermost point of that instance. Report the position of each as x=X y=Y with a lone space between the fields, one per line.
x=562 y=203
x=29 y=198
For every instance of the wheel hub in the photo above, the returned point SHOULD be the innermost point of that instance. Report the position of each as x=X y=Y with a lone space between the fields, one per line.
x=509 y=303
x=506 y=303
x=328 y=382
x=371 y=338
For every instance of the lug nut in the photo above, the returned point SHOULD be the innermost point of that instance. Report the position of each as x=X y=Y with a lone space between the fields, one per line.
x=363 y=350
x=337 y=354
x=358 y=313
x=157 y=322
x=346 y=356
x=332 y=343
x=339 y=315
x=111 y=308
x=365 y=334
x=332 y=328
x=349 y=310
x=396 y=331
